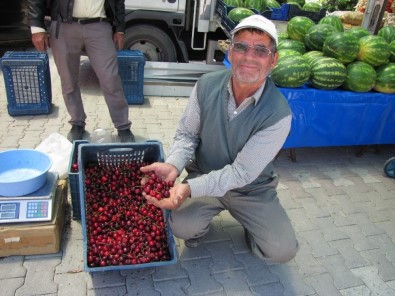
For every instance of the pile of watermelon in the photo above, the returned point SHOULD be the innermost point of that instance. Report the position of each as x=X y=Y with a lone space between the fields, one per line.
x=328 y=57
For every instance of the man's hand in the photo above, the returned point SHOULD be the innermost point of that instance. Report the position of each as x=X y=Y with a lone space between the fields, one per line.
x=118 y=39
x=178 y=194
x=166 y=171
x=40 y=41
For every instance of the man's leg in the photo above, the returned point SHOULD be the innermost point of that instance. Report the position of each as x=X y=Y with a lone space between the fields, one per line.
x=102 y=55
x=66 y=50
x=269 y=231
x=192 y=219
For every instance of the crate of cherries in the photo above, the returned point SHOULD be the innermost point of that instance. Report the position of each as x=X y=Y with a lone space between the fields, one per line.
x=120 y=229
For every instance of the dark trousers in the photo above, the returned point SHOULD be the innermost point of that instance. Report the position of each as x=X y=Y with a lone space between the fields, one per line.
x=96 y=40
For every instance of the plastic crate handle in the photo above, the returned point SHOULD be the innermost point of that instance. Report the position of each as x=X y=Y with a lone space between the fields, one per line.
x=120 y=150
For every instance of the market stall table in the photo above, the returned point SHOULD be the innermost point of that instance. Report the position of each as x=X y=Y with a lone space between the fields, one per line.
x=322 y=118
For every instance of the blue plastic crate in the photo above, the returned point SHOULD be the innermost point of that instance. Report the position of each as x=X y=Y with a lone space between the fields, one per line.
x=74 y=181
x=115 y=154
x=27 y=81
x=131 y=69
x=315 y=16
x=279 y=14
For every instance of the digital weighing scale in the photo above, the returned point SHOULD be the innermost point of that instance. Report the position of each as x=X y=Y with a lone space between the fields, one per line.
x=36 y=206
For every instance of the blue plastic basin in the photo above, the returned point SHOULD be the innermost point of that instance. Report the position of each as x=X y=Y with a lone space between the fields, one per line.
x=22 y=171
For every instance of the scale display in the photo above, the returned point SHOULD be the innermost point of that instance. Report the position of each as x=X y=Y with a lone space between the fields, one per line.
x=36 y=206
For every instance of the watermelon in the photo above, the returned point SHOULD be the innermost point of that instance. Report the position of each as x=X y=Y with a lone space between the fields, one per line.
x=385 y=81
x=259 y=5
x=387 y=32
x=273 y=4
x=358 y=32
x=282 y=35
x=332 y=20
x=291 y=71
x=327 y=73
x=292 y=44
x=317 y=34
x=392 y=48
x=361 y=77
x=342 y=46
x=298 y=26
x=311 y=55
x=288 y=52
x=295 y=3
x=239 y=13
x=312 y=6
x=373 y=50
x=236 y=3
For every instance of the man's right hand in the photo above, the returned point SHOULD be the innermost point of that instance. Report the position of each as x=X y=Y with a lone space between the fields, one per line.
x=40 y=41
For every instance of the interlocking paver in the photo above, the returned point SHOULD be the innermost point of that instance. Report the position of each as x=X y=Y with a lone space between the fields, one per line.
x=257 y=272
x=237 y=235
x=320 y=247
x=306 y=262
x=172 y=272
x=292 y=282
x=300 y=220
x=12 y=267
x=177 y=287
x=72 y=255
x=112 y=291
x=370 y=277
x=139 y=282
x=360 y=241
x=386 y=245
x=322 y=284
x=313 y=210
x=356 y=291
x=351 y=257
x=9 y=286
x=386 y=269
x=203 y=281
x=330 y=231
x=234 y=283
x=342 y=276
x=115 y=278
x=39 y=276
x=223 y=257
x=71 y=284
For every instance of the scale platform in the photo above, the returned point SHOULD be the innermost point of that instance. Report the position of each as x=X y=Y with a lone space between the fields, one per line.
x=33 y=207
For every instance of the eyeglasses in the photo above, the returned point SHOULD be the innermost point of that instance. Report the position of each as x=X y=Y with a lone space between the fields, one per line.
x=259 y=50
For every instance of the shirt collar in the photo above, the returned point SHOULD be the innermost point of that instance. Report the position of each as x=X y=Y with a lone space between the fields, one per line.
x=256 y=96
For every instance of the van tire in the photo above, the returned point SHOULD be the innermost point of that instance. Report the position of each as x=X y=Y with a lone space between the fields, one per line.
x=155 y=44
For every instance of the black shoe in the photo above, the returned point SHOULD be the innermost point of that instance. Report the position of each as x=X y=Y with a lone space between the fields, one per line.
x=76 y=133
x=126 y=136
x=193 y=242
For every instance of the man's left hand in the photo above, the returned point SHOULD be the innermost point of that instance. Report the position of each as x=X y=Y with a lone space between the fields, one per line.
x=118 y=39
x=178 y=194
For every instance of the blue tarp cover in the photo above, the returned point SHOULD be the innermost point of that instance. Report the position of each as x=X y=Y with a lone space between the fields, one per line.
x=339 y=118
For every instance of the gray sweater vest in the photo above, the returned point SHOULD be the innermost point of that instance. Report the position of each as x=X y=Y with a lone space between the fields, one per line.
x=220 y=139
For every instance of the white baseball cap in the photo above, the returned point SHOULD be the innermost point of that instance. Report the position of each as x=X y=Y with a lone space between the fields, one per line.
x=259 y=22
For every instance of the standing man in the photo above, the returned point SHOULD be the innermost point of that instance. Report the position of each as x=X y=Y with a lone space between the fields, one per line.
x=96 y=27
x=234 y=124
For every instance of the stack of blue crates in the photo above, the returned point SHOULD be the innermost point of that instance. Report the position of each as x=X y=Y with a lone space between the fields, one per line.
x=131 y=69
x=27 y=81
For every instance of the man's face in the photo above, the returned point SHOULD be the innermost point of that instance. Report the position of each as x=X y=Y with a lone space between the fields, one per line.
x=252 y=65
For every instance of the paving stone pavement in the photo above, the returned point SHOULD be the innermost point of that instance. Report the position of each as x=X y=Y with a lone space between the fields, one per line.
x=342 y=207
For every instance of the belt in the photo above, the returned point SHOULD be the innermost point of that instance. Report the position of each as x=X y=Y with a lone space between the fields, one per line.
x=85 y=21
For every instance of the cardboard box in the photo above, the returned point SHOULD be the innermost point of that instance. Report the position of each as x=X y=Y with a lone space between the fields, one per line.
x=39 y=237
